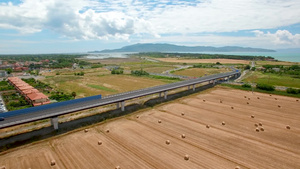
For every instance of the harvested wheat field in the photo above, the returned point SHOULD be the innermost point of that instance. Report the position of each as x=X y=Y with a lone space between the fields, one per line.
x=219 y=128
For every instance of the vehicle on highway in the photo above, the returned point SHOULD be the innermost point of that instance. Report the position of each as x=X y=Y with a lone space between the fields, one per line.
x=2 y=118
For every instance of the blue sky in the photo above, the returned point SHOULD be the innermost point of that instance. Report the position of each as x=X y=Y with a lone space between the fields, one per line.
x=68 y=26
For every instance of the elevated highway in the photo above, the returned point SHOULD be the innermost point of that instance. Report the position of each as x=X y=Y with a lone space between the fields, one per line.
x=54 y=110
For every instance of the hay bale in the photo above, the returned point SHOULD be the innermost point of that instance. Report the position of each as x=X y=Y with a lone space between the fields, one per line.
x=275 y=98
x=288 y=127
x=297 y=100
x=256 y=125
x=237 y=167
x=248 y=98
x=279 y=106
x=247 y=102
x=182 y=113
x=137 y=116
x=52 y=163
x=99 y=142
x=186 y=157
x=245 y=96
x=223 y=123
x=107 y=130
x=118 y=167
x=203 y=100
x=270 y=95
x=257 y=129
x=182 y=135
x=262 y=129
x=231 y=107
x=207 y=126
x=221 y=101
x=258 y=98
x=168 y=142
x=86 y=130
x=252 y=116
x=3 y=167
x=260 y=123
x=159 y=121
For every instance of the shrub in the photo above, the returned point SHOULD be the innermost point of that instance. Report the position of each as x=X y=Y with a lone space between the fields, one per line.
x=247 y=67
x=197 y=66
x=293 y=91
x=117 y=71
x=246 y=85
x=139 y=72
x=61 y=97
x=265 y=87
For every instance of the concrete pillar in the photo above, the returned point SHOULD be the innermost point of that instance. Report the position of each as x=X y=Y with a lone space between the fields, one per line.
x=54 y=122
x=159 y=94
x=214 y=82
x=166 y=94
x=189 y=87
x=118 y=105
x=123 y=105
x=194 y=87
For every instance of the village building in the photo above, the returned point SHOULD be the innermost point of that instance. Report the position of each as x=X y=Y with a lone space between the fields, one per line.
x=32 y=95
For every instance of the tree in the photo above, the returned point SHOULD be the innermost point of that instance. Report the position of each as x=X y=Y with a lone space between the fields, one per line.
x=247 y=67
x=8 y=70
x=73 y=94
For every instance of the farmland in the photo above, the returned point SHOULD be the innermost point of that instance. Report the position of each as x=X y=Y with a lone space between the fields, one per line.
x=222 y=61
x=205 y=130
x=198 y=72
x=272 y=79
x=93 y=83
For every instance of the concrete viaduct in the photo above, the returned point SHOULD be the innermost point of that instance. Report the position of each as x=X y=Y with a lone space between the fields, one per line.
x=54 y=110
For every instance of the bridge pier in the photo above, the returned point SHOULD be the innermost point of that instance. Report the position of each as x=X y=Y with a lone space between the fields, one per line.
x=189 y=87
x=214 y=82
x=166 y=94
x=118 y=105
x=194 y=87
x=159 y=94
x=123 y=106
x=54 y=122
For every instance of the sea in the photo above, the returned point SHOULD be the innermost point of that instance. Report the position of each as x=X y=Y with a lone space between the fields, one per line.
x=281 y=56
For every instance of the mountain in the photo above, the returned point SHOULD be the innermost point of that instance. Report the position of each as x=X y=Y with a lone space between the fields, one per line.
x=290 y=50
x=150 y=47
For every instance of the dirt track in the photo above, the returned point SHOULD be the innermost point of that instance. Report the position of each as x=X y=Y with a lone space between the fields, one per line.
x=139 y=141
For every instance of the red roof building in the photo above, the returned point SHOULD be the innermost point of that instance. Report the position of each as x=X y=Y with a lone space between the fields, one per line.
x=32 y=95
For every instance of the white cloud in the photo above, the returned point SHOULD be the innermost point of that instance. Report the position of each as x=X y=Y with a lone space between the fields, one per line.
x=120 y=19
x=280 y=37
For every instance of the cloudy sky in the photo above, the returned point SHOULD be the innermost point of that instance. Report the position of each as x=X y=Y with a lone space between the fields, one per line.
x=55 y=26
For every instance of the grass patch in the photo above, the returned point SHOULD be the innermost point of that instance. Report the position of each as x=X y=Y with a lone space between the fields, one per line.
x=101 y=88
x=283 y=93
x=173 y=79
x=273 y=79
x=198 y=72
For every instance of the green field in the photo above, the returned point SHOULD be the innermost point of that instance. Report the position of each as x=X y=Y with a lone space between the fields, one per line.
x=273 y=79
x=101 y=88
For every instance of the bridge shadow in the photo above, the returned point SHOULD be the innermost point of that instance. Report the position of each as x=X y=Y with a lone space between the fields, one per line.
x=47 y=132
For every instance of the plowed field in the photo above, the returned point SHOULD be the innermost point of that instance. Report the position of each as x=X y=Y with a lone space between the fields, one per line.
x=221 y=128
